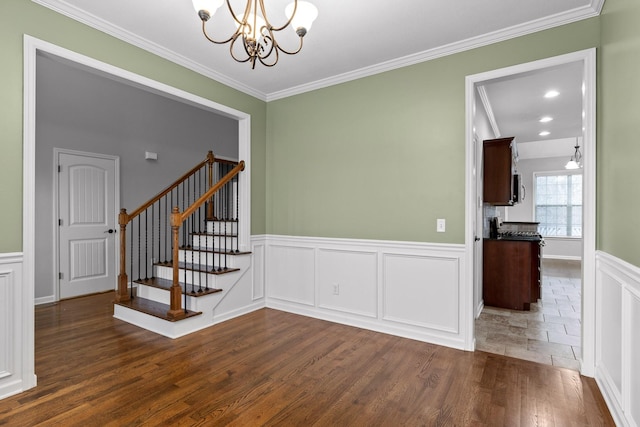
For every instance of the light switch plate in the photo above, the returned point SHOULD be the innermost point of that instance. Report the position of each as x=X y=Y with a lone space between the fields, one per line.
x=441 y=225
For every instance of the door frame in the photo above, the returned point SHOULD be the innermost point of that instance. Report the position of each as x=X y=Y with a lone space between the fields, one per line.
x=588 y=59
x=56 y=211
x=32 y=47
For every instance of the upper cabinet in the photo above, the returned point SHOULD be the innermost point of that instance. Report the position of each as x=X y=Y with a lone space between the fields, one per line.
x=500 y=158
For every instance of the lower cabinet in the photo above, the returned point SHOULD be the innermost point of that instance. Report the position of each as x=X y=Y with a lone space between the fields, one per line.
x=511 y=273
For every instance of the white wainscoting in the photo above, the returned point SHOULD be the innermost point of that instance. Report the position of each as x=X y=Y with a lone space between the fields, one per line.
x=618 y=337
x=16 y=370
x=407 y=289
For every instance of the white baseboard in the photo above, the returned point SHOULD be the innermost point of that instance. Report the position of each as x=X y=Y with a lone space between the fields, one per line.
x=45 y=300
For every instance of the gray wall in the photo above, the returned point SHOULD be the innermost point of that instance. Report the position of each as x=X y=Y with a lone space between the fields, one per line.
x=556 y=247
x=81 y=110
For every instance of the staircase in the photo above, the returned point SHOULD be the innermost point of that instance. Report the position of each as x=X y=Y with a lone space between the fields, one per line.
x=182 y=248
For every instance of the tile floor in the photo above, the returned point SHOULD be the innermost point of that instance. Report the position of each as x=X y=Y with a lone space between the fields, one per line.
x=550 y=332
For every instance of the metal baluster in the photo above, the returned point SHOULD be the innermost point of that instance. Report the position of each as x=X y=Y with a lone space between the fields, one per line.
x=131 y=261
x=237 y=212
x=226 y=216
x=146 y=244
x=139 y=247
x=159 y=229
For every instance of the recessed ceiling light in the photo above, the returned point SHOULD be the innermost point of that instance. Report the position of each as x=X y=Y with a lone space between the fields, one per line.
x=551 y=94
x=544 y=133
x=545 y=119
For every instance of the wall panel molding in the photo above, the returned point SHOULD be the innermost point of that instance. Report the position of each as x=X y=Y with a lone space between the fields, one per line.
x=16 y=374
x=408 y=289
x=617 y=339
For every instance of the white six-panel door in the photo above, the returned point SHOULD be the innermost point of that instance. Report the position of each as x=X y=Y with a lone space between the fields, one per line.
x=87 y=226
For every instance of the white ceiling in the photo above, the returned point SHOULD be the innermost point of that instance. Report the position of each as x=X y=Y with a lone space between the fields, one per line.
x=349 y=39
x=517 y=103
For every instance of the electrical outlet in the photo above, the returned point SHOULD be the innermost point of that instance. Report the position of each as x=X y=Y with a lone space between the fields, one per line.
x=336 y=289
x=441 y=225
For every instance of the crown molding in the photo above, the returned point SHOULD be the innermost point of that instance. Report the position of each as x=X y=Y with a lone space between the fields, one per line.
x=530 y=27
x=484 y=97
x=93 y=21
x=113 y=30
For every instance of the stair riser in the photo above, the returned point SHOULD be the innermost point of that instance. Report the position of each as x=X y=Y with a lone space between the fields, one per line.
x=219 y=227
x=215 y=242
x=197 y=278
x=206 y=258
x=162 y=295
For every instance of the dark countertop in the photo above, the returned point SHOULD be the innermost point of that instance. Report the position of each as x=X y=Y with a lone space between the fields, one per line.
x=516 y=238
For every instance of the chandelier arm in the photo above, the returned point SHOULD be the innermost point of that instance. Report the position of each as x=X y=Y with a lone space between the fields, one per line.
x=286 y=24
x=269 y=41
x=204 y=31
x=247 y=10
x=267 y=64
x=288 y=52
x=233 y=42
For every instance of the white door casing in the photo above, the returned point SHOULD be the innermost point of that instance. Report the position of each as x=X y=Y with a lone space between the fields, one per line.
x=588 y=59
x=87 y=212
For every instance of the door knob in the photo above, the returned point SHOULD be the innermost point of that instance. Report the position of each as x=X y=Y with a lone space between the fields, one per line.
x=476 y=238
x=110 y=231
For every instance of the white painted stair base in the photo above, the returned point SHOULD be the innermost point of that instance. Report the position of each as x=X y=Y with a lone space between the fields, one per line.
x=205 y=304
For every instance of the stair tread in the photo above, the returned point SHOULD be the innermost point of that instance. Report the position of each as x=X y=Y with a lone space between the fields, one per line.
x=195 y=291
x=207 y=234
x=215 y=251
x=154 y=308
x=200 y=267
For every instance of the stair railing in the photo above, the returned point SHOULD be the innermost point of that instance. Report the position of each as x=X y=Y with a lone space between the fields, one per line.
x=179 y=219
x=152 y=242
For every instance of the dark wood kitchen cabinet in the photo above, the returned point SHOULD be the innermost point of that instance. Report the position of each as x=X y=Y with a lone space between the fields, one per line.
x=499 y=166
x=511 y=273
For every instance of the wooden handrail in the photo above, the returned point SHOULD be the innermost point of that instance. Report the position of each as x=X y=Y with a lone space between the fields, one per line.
x=211 y=191
x=210 y=159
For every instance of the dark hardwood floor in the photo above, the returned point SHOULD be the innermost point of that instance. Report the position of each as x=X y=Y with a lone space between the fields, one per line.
x=276 y=368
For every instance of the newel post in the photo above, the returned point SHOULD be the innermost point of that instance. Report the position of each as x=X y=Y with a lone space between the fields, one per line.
x=123 y=281
x=175 y=310
x=210 y=160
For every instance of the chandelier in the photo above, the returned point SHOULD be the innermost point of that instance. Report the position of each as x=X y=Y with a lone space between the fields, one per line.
x=576 y=160
x=255 y=36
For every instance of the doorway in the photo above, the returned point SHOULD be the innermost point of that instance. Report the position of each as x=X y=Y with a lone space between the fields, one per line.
x=33 y=48
x=87 y=199
x=586 y=59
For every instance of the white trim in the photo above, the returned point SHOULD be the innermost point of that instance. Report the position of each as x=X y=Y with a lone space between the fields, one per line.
x=56 y=210
x=484 y=97
x=17 y=372
x=135 y=40
x=567 y=17
x=588 y=58
x=615 y=272
x=32 y=46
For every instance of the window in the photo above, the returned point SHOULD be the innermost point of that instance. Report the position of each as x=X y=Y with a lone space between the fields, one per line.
x=558 y=204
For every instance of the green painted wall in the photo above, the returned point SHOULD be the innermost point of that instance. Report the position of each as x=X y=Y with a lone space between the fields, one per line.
x=619 y=130
x=19 y=17
x=381 y=157
x=384 y=156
